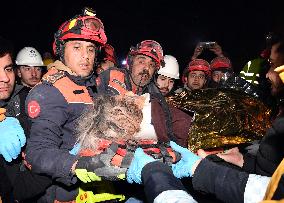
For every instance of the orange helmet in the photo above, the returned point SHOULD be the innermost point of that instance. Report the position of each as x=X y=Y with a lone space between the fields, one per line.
x=149 y=48
x=220 y=62
x=86 y=26
x=108 y=53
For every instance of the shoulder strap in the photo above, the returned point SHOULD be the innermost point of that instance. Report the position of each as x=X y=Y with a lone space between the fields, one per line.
x=53 y=75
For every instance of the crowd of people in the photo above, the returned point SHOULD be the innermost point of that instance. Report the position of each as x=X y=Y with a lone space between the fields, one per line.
x=83 y=129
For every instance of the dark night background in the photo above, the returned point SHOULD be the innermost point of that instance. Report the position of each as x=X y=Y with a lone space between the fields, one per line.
x=238 y=26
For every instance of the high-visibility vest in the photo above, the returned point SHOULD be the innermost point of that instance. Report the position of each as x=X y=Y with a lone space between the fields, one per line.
x=251 y=70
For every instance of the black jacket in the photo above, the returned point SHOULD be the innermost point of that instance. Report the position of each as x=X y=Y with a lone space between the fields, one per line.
x=270 y=153
x=53 y=130
x=17 y=182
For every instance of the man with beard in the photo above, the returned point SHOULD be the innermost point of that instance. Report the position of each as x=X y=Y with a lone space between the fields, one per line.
x=143 y=61
x=30 y=66
x=11 y=142
x=161 y=122
x=16 y=182
x=168 y=75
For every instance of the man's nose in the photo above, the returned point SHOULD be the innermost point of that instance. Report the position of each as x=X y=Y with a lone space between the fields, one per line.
x=85 y=54
x=3 y=76
x=34 y=71
x=218 y=77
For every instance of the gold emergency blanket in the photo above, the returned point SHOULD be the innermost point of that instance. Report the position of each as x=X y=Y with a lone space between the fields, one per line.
x=223 y=117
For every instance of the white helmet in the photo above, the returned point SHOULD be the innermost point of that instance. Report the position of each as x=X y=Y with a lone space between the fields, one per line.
x=171 y=68
x=29 y=56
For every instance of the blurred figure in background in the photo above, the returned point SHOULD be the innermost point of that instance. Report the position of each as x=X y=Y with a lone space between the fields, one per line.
x=29 y=66
x=196 y=75
x=106 y=58
x=47 y=58
x=168 y=75
x=221 y=68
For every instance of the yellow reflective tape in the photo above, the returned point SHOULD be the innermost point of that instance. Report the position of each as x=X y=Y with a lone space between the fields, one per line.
x=90 y=197
x=121 y=176
x=89 y=13
x=72 y=23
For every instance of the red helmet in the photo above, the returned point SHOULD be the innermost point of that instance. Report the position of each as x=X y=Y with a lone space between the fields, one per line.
x=201 y=65
x=86 y=26
x=149 y=48
x=108 y=53
x=220 y=62
x=197 y=64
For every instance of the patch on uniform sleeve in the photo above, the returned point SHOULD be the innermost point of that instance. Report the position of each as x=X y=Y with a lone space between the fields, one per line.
x=33 y=109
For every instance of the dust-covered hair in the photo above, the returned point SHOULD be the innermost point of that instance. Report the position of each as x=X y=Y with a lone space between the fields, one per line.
x=112 y=118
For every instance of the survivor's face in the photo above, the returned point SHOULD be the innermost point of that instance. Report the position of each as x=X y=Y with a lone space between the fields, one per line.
x=165 y=84
x=142 y=70
x=276 y=59
x=80 y=56
x=196 y=80
x=30 y=75
x=217 y=75
x=7 y=77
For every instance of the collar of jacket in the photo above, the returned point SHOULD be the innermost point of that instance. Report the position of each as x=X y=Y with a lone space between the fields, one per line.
x=86 y=81
x=16 y=91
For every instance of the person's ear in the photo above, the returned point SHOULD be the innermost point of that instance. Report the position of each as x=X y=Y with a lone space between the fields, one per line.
x=18 y=71
x=185 y=79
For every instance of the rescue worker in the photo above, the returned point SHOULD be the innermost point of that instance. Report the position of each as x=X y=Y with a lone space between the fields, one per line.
x=167 y=76
x=30 y=66
x=196 y=75
x=144 y=61
x=221 y=68
x=106 y=58
x=161 y=122
x=252 y=69
x=55 y=105
x=16 y=182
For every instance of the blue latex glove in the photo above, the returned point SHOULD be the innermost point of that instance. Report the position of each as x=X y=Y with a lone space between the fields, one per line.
x=183 y=167
x=12 y=138
x=75 y=149
x=139 y=161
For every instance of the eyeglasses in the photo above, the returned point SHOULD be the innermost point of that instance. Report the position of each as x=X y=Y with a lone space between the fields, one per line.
x=197 y=76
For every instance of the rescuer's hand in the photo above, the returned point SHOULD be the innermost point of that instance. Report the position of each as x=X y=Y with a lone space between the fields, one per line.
x=197 y=51
x=217 y=49
x=136 y=166
x=187 y=164
x=12 y=138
